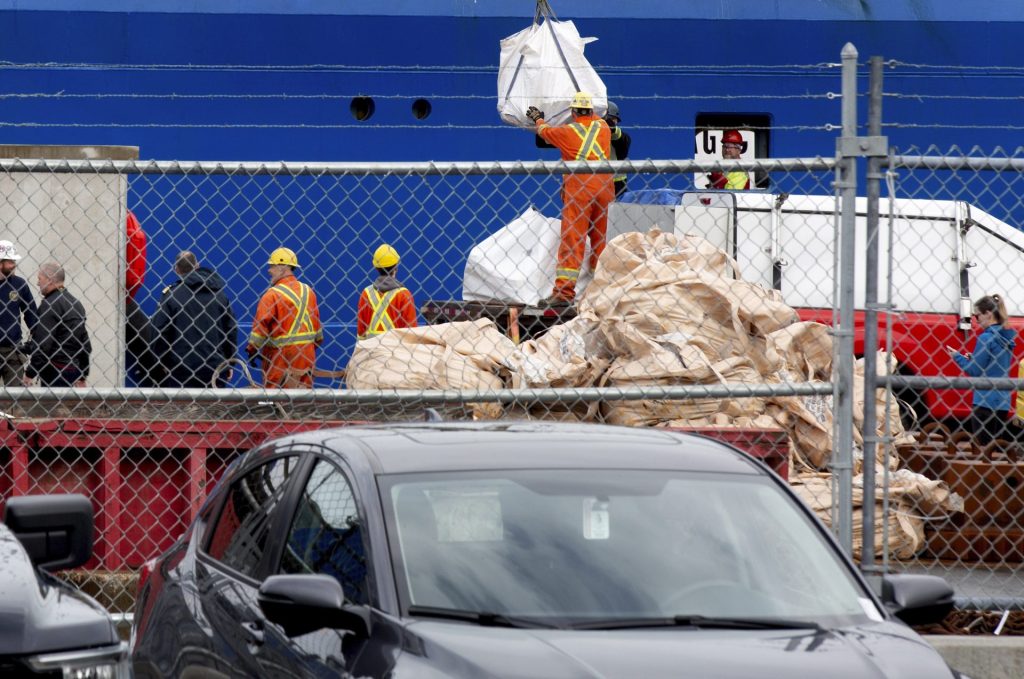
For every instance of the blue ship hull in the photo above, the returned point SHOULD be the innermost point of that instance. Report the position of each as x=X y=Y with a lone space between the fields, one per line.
x=274 y=80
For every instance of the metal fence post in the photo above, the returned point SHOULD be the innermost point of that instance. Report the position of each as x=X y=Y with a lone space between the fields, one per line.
x=874 y=178
x=843 y=463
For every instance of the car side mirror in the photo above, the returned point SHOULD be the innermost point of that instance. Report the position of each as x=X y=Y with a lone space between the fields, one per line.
x=917 y=599
x=305 y=603
x=55 y=530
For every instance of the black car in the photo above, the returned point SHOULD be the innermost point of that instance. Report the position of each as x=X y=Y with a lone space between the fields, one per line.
x=518 y=550
x=47 y=627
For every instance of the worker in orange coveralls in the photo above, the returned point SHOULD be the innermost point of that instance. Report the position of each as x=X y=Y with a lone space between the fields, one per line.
x=286 y=330
x=585 y=197
x=385 y=304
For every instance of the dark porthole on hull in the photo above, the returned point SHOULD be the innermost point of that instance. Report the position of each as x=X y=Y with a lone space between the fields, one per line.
x=362 y=108
x=421 y=109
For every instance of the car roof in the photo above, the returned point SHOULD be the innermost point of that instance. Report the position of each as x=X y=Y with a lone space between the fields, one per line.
x=449 y=446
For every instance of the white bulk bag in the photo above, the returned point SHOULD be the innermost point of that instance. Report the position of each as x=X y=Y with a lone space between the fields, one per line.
x=532 y=72
x=516 y=264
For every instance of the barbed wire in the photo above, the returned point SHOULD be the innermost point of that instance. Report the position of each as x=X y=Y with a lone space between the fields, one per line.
x=958 y=126
x=956 y=67
x=487 y=68
x=965 y=97
x=361 y=126
x=343 y=97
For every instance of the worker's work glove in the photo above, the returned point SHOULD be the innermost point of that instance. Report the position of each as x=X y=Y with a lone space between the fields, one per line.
x=534 y=113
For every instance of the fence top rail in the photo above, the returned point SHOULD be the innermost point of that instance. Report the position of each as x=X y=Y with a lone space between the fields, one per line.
x=956 y=163
x=947 y=382
x=515 y=167
x=376 y=396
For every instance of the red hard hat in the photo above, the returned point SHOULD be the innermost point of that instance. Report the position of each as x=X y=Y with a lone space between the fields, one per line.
x=732 y=137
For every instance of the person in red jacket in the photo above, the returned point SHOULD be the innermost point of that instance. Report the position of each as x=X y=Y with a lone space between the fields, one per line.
x=135 y=273
x=385 y=304
x=140 y=360
x=585 y=197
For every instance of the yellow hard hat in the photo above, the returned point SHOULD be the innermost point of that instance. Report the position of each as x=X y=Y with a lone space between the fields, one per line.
x=283 y=256
x=582 y=100
x=385 y=257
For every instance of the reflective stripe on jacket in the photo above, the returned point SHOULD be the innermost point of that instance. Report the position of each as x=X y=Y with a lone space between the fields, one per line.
x=380 y=311
x=586 y=138
x=287 y=315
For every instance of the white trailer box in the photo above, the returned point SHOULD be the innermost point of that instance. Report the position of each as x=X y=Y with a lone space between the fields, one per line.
x=944 y=253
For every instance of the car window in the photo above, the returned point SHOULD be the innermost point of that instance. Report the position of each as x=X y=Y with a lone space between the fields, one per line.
x=326 y=535
x=585 y=544
x=240 y=535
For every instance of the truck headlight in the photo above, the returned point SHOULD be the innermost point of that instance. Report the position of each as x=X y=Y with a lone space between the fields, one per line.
x=107 y=662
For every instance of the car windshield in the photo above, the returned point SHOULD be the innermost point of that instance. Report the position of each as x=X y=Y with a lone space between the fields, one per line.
x=587 y=546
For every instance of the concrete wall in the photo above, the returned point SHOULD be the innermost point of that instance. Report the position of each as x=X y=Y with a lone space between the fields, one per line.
x=77 y=220
x=981 y=657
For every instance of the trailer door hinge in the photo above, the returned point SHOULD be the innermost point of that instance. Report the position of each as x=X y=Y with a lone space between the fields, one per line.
x=863 y=147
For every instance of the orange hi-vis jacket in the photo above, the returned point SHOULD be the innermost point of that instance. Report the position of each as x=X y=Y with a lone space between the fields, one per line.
x=380 y=311
x=286 y=332
x=585 y=196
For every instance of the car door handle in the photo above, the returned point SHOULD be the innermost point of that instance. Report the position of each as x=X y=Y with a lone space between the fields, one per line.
x=253 y=632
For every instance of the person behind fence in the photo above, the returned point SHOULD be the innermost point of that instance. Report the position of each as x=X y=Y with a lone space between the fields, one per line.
x=620 y=144
x=385 y=304
x=585 y=197
x=60 y=341
x=732 y=148
x=139 y=360
x=16 y=303
x=286 y=330
x=993 y=352
x=194 y=329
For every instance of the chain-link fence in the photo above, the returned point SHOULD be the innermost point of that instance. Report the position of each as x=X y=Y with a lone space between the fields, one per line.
x=743 y=314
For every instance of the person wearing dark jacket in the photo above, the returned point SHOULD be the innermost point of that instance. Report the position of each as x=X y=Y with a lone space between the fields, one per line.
x=194 y=329
x=620 y=144
x=992 y=355
x=16 y=303
x=60 y=342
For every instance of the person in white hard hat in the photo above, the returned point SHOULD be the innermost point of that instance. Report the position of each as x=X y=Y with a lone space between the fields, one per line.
x=16 y=303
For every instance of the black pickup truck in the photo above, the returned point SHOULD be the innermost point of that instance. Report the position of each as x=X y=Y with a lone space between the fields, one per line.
x=47 y=627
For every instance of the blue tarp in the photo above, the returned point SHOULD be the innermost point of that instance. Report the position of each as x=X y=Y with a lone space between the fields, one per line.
x=652 y=197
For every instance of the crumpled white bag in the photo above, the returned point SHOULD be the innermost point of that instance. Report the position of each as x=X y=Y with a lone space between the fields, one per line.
x=516 y=264
x=532 y=72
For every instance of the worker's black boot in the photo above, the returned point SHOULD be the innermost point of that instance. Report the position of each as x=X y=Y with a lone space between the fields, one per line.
x=555 y=301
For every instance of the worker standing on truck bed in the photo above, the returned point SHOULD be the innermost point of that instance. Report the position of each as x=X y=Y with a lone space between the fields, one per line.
x=385 y=304
x=585 y=197
x=286 y=330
